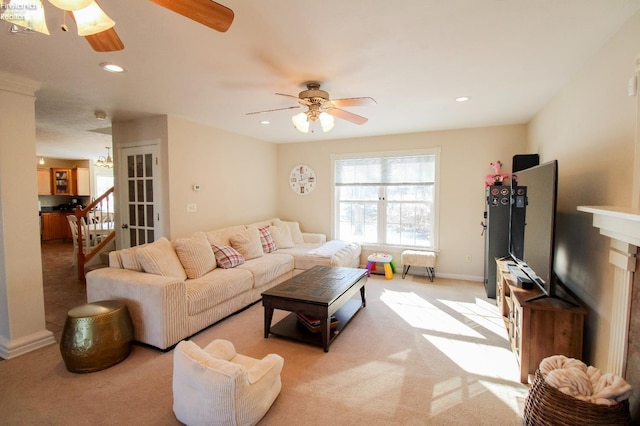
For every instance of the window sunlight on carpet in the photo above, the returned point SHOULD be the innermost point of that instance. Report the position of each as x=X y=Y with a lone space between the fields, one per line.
x=419 y=313
x=460 y=331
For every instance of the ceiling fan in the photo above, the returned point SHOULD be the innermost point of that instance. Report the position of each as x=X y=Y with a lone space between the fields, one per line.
x=205 y=12
x=100 y=32
x=321 y=108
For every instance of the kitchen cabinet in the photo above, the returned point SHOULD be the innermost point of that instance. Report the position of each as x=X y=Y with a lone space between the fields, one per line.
x=81 y=181
x=44 y=181
x=62 y=181
x=55 y=226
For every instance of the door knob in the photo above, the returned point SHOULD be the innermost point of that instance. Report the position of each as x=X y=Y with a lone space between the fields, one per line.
x=125 y=226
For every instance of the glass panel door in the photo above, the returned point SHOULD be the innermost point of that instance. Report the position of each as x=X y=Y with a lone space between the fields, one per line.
x=140 y=212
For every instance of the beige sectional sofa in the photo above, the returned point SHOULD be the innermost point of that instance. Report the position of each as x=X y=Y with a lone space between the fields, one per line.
x=173 y=289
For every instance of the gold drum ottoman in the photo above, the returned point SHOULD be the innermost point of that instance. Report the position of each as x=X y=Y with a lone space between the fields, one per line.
x=96 y=336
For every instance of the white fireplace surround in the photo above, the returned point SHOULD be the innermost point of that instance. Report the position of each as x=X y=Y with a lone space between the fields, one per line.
x=622 y=225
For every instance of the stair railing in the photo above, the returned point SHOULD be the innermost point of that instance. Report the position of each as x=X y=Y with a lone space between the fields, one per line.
x=97 y=221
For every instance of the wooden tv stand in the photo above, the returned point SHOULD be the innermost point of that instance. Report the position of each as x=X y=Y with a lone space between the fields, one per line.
x=539 y=328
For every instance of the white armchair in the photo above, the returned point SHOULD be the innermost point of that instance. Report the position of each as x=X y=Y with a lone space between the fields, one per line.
x=217 y=386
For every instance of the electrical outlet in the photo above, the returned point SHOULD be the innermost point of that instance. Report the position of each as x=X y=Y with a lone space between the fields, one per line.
x=192 y=208
x=469 y=258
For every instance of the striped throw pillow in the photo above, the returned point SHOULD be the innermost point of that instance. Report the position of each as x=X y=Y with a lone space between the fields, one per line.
x=268 y=245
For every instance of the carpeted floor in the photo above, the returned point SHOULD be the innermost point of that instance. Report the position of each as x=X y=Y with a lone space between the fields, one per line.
x=420 y=353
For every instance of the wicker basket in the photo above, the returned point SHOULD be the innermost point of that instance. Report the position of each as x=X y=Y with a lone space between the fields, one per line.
x=546 y=405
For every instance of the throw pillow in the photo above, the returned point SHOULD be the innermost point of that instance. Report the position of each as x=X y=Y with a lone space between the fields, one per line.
x=282 y=236
x=195 y=254
x=294 y=227
x=160 y=258
x=129 y=259
x=227 y=257
x=268 y=245
x=247 y=243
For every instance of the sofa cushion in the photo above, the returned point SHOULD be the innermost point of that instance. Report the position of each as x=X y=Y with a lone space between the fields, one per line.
x=269 y=267
x=160 y=258
x=227 y=257
x=268 y=244
x=348 y=256
x=247 y=243
x=282 y=236
x=216 y=287
x=294 y=227
x=220 y=236
x=129 y=259
x=195 y=254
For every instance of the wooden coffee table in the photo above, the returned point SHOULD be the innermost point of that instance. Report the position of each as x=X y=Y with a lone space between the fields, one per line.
x=319 y=292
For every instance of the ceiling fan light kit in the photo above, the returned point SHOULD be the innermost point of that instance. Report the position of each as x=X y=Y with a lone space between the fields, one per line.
x=92 y=20
x=25 y=13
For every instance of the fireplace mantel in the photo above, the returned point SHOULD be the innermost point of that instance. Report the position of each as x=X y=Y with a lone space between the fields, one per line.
x=622 y=225
x=619 y=223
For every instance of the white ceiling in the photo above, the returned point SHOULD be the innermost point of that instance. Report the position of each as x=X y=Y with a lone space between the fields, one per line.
x=412 y=56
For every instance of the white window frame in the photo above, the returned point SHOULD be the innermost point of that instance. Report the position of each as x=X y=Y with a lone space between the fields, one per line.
x=436 y=198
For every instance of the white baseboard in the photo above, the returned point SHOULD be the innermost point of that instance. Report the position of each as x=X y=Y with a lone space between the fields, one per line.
x=16 y=347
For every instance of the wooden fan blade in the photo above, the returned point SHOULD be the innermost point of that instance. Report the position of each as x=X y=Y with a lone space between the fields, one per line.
x=272 y=110
x=105 y=41
x=206 y=12
x=347 y=102
x=346 y=115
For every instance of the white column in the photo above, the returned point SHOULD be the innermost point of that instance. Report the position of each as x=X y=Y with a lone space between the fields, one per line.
x=622 y=225
x=623 y=257
x=22 y=321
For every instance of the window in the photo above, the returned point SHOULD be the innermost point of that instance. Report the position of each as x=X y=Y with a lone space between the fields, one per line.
x=103 y=184
x=387 y=199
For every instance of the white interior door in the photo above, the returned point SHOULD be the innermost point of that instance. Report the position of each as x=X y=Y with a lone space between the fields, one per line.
x=140 y=200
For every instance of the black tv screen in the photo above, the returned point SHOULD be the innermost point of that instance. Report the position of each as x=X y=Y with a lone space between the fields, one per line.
x=532 y=223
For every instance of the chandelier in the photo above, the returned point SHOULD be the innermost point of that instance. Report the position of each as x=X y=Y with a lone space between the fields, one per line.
x=105 y=162
x=89 y=17
x=303 y=120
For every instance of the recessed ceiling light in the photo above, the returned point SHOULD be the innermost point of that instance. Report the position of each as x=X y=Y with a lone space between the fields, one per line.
x=108 y=66
x=462 y=99
x=265 y=122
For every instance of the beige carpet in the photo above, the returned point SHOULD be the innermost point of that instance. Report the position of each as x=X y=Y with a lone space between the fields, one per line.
x=419 y=353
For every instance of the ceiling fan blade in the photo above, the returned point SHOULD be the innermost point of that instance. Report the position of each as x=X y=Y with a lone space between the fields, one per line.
x=298 y=99
x=272 y=110
x=104 y=41
x=346 y=115
x=347 y=102
x=206 y=12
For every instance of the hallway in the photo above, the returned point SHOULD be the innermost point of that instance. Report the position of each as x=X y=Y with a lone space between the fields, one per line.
x=62 y=289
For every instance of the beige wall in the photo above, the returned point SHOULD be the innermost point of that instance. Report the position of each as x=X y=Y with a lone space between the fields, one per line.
x=464 y=162
x=590 y=129
x=236 y=174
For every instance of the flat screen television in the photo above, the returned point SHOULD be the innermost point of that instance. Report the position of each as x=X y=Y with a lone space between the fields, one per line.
x=532 y=223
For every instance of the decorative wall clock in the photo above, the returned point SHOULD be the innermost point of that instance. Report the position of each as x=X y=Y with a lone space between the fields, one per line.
x=302 y=179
